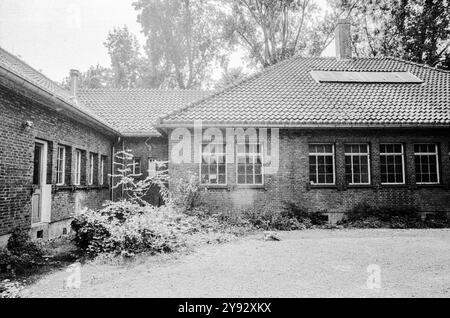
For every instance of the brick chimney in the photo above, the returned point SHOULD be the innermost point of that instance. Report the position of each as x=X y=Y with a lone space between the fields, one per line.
x=343 y=40
x=74 y=82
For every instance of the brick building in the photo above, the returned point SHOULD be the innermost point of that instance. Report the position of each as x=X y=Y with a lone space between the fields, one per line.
x=54 y=152
x=348 y=130
x=326 y=133
x=57 y=146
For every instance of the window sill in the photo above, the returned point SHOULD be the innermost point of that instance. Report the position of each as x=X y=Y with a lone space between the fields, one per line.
x=390 y=186
x=78 y=187
x=359 y=186
x=428 y=186
x=251 y=186
x=213 y=186
x=322 y=186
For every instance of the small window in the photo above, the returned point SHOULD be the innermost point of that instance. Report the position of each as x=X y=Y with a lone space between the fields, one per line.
x=249 y=164
x=357 y=164
x=426 y=163
x=321 y=164
x=392 y=164
x=213 y=168
x=136 y=169
x=61 y=165
x=77 y=175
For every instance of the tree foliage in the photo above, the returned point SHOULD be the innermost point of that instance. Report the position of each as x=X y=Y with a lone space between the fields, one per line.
x=95 y=77
x=123 y=49
x=182 y=40
x=415 y=30
x=271 y=30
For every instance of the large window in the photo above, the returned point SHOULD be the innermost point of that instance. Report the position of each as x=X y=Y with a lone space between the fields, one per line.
x=357 y=164
x=91 y=168
x=101 y=178
x=249 y=164
x=213 y=166
x=426 y=163
x=61 y=165
x=392 y=164
x=321 y=164
x=77 y=174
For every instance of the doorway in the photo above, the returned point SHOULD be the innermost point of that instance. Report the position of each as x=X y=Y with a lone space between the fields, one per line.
x=39 y=181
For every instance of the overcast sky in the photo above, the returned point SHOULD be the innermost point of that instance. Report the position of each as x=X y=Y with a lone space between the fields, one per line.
x=54 y=36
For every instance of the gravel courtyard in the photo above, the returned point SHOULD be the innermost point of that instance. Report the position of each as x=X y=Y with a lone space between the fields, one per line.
x=315 y=263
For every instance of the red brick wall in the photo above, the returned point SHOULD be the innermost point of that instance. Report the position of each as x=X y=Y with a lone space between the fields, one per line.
x=16 y=159
x=291 y=183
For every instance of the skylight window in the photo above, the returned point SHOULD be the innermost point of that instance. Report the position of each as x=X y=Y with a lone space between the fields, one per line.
x=365 y=77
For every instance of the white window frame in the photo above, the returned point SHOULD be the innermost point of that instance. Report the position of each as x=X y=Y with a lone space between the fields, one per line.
x=61 y=170
x=224 y=154
x=101 y=172
x=133 y=168
x=352 y=154
x=91 y=168
x=393 y=154
x=261 y=153
x=436 y=154
x=316 y=154
x=77 y=175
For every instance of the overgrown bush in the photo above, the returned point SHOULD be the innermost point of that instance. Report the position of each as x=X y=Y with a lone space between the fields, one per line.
x=10 y=289
x=187 y=195
x=124 y=227
x=128 y=228
x=20 y=253
x=365 y=216
x=291 y=217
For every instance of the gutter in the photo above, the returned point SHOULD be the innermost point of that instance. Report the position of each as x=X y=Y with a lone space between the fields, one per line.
x=299 y=125
x=28 y=85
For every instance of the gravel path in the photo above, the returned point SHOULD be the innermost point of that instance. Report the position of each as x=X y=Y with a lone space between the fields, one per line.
x=316 y=263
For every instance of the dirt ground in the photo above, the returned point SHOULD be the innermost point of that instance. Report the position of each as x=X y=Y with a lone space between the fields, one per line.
x=315 y=263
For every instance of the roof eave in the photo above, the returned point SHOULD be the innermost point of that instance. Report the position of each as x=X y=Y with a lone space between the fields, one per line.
x=28 y=85
x=309 y=125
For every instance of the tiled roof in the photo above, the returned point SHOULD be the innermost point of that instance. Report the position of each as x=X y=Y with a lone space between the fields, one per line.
x=19 y=68
x=135 y=111
x=287 y=95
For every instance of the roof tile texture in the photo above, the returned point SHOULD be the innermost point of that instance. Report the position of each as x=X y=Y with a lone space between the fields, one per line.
x=135 y=111
x=286 y=94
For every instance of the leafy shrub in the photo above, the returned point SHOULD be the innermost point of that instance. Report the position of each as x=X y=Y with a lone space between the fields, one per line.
x=187 y=195
x=9 y=289
x=20 y=253
x=365 y=216
x=437 y=220
x=19 y=243
x=290 y=218
x=126 y=228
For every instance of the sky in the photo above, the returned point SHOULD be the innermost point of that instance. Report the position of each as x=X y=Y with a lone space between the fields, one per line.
x=54 y=36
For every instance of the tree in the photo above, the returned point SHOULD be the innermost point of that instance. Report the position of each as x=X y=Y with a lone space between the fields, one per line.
x=230 y=76
x=182 y=40
x=95 y=77
x=415 y=30
x=271 y=30
x=123 y=48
